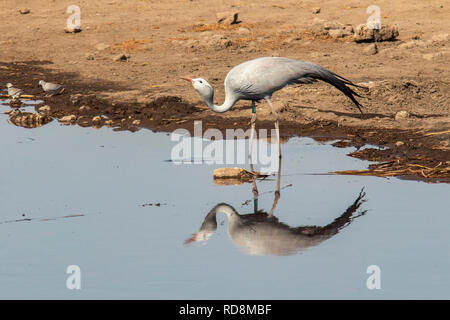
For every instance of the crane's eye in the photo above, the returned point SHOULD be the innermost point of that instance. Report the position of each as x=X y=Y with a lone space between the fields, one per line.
x=200 y=81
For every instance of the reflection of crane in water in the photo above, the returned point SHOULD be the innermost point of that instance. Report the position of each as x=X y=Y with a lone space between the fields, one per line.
x=262 y=233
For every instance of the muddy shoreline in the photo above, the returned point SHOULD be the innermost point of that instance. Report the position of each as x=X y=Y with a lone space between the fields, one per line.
x=410 y=154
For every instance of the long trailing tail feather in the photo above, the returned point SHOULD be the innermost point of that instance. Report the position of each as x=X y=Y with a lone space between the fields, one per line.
x=340 y=83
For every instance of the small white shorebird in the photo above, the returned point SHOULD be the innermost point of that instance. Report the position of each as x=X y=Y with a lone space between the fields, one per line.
x=13 y=92
x=259 y=78
x=51 y=88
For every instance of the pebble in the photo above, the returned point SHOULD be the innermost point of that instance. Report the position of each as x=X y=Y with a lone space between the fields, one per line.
x=121 y=57
x=84 y=108
x=66 y=119
x=97 y=119
x=228 y=17
x=227 y=173
x=44 y=109
x=401 y=115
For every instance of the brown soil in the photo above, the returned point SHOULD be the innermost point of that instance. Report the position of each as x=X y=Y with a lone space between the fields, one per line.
x=168 y=40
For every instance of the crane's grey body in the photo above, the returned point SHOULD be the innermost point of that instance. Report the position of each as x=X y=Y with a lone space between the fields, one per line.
x=259 y=78
x=13 y=92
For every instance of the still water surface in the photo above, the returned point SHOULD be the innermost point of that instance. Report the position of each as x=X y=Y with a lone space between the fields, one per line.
x=80 y=196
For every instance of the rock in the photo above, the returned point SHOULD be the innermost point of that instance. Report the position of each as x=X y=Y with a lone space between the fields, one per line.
x=101 y=46
x=24 y=11
x=44 y=109
x=108 y=123
x=336 y=33
x=84 y=108
x=89 y=56
x=97 y=119
x=83 y=121
x=68 y=119
x=121 y=57
x=365 y=34
x=371 y=49
x=401 y=115
x=232 y=173
x=331 y=28
x=316 y=10
x=228 y=17
x=74 y=29
x=28 y=119
x=399 y=144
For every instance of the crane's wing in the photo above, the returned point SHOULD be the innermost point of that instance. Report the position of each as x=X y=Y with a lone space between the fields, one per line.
x=263 y=76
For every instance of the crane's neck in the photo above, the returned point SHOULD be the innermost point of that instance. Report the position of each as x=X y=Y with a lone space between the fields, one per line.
x=227 y=104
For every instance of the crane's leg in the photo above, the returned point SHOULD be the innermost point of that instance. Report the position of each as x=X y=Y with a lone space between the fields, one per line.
x=277 y=129
x=277 y=191
x=252 y=134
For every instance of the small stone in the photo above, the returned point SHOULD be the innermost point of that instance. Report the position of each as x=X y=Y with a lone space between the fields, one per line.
x=364 y=33
x=45 y=109
x=136 y=122
x=401 y=115
x=316 y=10
x=68 y=119
x=399 y=144
x=108 y=123
x=371 y=49
x=84 y=108
x=74 y=29
x=121 y=57
x=90 y=56
x=229 y=173
x=228 y=17
x=24 y=11
x=97 y=119
x=336 y=33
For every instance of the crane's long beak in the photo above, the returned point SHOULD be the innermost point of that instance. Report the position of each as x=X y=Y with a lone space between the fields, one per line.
x=187 y=79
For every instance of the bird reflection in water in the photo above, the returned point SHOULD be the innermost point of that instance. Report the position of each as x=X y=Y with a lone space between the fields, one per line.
x=261 y=233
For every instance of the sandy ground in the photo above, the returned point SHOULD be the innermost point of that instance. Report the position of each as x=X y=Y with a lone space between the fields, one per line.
x=165 y=40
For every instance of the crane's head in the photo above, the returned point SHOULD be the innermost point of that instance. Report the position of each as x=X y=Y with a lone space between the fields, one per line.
x=9 y=85
x=204 y=89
